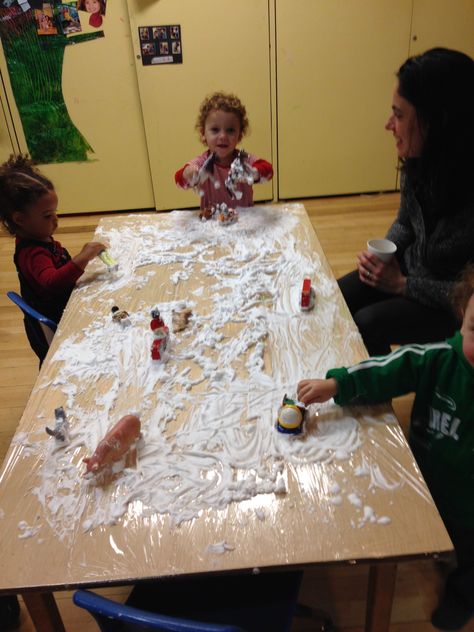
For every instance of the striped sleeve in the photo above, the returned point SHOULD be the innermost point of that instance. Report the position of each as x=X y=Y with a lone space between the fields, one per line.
x=380 y=378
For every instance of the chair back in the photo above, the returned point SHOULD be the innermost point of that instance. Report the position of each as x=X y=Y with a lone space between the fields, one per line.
x=48 y=326
x=116 y=617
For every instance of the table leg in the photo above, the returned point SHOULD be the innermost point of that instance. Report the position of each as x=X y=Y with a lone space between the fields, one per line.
x=44 y=612
x=381 y=588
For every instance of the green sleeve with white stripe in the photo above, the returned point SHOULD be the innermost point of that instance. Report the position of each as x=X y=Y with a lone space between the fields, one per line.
x=379 y=379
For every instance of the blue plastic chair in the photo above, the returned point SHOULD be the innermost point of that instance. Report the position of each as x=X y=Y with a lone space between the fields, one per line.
x=48 y=326
x=116 y=617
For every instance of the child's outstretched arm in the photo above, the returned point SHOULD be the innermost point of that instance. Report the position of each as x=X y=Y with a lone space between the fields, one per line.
x=316 y=391
x=187 y=176
x=262 y=170
x=375 y=380
x=88 y=252
x=39 y=269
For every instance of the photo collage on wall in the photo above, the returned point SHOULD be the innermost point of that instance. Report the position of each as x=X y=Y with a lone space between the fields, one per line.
x=60 y=18
x=160 y=44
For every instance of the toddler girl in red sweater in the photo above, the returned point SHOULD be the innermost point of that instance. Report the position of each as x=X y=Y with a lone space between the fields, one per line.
x=47 y=273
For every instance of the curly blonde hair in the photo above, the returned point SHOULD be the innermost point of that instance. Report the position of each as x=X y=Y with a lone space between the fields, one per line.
x=226 y=103
x=463 y=290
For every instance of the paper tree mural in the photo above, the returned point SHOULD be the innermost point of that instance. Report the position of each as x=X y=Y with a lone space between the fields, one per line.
x=35 y=65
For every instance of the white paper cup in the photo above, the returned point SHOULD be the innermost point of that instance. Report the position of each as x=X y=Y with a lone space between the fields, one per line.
x=383 y=248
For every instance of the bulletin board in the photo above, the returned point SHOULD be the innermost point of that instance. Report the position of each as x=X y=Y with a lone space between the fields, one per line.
x=160 y=44
x=34 y=36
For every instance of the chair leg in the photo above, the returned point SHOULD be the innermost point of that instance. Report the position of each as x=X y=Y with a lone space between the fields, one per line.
x=321 y=620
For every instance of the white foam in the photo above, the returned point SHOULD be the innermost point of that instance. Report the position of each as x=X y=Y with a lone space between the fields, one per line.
x=226 y=447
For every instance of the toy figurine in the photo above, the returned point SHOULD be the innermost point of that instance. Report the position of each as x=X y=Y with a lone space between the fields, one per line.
x=161 y=335
x=307 y=296
x=207 y=213
x=226 y=215
x=180 y=318
x=120 y=316
x=290 y=416
x=61 y=428
x=115 y=444
x=240 y=171
x=223 y=213
x=156 y=321
x=206 y=172
x=111 y=264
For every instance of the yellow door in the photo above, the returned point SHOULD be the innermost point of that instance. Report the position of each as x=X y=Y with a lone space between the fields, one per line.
x=100 y=90
x=225 y=46
x=448 y=23
x=336 y=62
x=7 y=137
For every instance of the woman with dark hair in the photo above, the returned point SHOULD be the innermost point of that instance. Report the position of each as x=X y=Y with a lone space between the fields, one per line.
x=407 y=299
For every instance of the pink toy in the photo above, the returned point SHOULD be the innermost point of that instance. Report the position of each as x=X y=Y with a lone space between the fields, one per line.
x=115 y=443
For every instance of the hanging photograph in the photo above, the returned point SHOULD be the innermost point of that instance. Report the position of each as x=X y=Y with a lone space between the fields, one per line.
x=45 y=20
x=68 y=19
x=160 y=45
x=96 y=9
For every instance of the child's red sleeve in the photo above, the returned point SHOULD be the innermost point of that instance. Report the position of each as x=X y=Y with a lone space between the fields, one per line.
x=179 y=178
x=264 y=168
x=38 y=267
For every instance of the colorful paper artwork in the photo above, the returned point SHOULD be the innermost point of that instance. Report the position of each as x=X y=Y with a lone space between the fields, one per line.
x=45 y=20
x=34 y=51
x=96 y=8
x=68 y=19
x=160 y=44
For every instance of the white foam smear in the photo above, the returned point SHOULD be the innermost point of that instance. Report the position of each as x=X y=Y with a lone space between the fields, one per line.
x=219 y=548
x=26 y=530
x=208 y=413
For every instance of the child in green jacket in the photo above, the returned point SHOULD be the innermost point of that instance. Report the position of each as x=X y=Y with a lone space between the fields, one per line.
x=441 y=431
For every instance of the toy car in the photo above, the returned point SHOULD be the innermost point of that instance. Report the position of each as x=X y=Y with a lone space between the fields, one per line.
x=290 y=416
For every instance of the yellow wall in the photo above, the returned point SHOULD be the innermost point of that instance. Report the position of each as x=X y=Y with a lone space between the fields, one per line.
x=101 y=95
x=225 y=47
x=7 y=135
x=448 y=23
x=335 y=70
x=316 y=77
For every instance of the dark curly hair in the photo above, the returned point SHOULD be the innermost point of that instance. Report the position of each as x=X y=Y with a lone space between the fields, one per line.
x=226 y=103
x=440 y=85
x=21 y=184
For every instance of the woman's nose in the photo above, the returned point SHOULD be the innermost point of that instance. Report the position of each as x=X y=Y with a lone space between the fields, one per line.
x=389 y=123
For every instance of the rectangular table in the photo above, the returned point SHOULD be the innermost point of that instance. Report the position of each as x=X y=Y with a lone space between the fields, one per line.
x=213 y=486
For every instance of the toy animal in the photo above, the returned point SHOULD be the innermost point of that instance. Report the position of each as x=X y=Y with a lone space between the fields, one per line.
x=206 y=172
x=115 y=444
x=180 y=318
x=240 y=171
x=225 y=214
x=61 y=428
x=120 y=316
